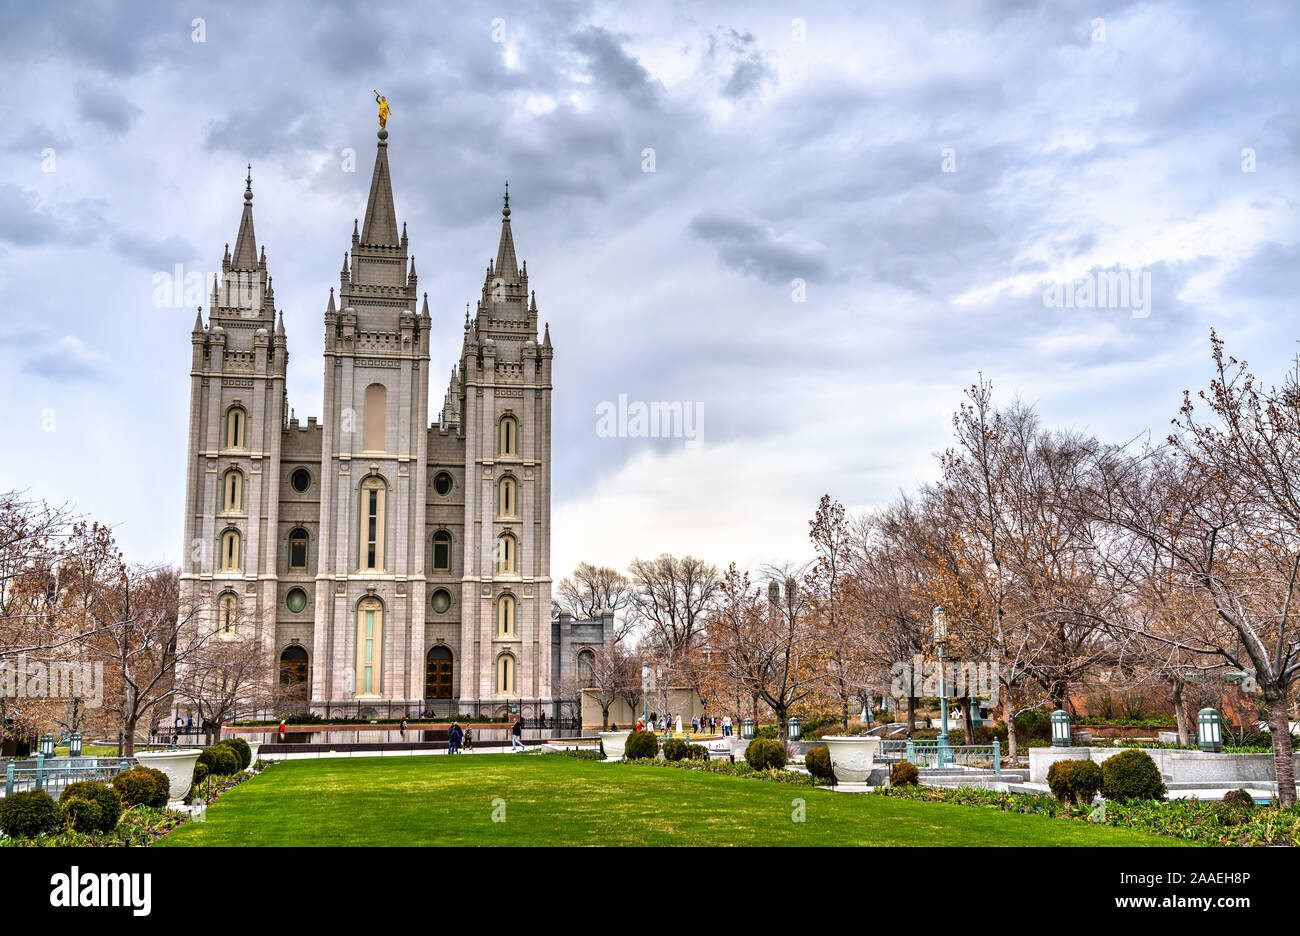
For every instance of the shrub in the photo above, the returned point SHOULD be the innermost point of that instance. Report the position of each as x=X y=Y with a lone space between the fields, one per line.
x=29 y=814
x=818 y=762
x=675 y=750
x=143 y=786
x=1086 y=781
x=697 y=752
x=1033 y=725
x=1239 y=798
x=240 y=747
x=81 y=815
x=765 y=754
x=766 y=732
x=641 y=745
x=200 y=772
x=220 y=760
x=1132 y=775
x=102 y=795
x=904 y=774
x=1058 y=780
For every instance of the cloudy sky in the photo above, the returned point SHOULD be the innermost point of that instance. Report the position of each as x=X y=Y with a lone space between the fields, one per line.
x=851 y=215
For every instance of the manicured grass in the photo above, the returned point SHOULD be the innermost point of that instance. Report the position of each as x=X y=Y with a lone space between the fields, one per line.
x=555 y=800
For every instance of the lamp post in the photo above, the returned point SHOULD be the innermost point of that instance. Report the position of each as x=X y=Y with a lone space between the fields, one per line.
x=747 y=729
x=793 y=728
x=940 y=641
x=1060 y=728
x=47 y=745
x=1209 y=731
x=74 y=744
x=645 y=694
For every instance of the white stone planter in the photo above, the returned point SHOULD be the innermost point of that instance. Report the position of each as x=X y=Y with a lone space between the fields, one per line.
x=615 y=743
x=253 y=746
x=852 y=757
x=177 y=765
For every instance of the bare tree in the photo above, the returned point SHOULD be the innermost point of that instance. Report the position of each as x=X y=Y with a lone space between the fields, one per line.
x=224 y=676
x=593 y=589
x=670 y=598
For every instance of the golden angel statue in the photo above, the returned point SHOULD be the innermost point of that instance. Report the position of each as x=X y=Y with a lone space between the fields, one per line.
x=384 y=110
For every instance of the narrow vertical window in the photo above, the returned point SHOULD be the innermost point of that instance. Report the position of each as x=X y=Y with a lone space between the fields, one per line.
x=370 y=636
x=230 y=546
x=236 y=427
x=298 y=550
x=506 y=616
x=506 y=549
x=227 y=614
x=374 y=494
x=505 y=674
x=442 y=551
x=233 y=496
x=506 y=496
x=508 y=436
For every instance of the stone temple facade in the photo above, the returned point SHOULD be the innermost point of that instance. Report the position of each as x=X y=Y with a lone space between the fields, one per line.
x=379 y=559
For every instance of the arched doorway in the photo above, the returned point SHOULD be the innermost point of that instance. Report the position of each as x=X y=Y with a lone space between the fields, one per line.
x=437 y=673
x=293 y=674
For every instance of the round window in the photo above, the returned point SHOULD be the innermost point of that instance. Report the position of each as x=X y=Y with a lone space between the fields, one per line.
x=296 y=600
x=441 y=600
x=442 y=483
x=300 y=480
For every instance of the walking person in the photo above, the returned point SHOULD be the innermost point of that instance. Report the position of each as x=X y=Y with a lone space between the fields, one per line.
x=282 y=730
x=402 y=729
x=451 y=737
x=679 y=723
x=467 y=743
x=517 y=735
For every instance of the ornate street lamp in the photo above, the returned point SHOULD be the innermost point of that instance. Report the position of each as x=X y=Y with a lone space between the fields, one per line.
x=74 y=744
x=1209 y=731
x=47 y=745
x=793 y=726
x=941 y=641
x=747 y=729
x=1060 y=728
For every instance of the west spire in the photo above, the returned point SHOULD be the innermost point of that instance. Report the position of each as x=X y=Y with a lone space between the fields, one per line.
x=507 y=267
x=245 y=257
x=381 y=217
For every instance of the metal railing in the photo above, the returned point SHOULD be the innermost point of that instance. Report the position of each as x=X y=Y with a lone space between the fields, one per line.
x=933 y=754
x=53 y=774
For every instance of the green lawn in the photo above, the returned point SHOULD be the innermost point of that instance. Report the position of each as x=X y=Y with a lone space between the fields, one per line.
x=554 y=800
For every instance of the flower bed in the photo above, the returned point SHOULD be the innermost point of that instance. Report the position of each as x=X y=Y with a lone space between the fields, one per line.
x=1210 y=823
x=139 y=825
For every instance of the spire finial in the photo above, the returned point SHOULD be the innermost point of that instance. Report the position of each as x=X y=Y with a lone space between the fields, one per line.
x=248 y=185
x=505 y=211
x=467 y=315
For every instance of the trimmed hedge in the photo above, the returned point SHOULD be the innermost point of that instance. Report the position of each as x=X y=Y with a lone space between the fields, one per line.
x=143 y=786
x=82 y=815
x=220 y=760
x=1132 y=775
x=102 y=795
x=1075 y=781
x=765 y=754
x=818 y=762
x=641 y=745
x=904 y=774
x=25 y=815
x=241 y=748
x=676 y=750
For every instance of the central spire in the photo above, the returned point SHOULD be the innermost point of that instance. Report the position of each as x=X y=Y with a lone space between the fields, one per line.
x=381 y=217
x=245 y=257
x=507 y=267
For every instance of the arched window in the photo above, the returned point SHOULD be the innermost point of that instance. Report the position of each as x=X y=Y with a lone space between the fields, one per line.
x=508 y=436
x=232 y=492
x=298 y=540
x=293 y=673
x=227 y=613
x=370 y=644
x=506 y=549
x=236 y=427
x=506 y=616
x=376 y=428
x=374 y=496
x=437 y=673
x=507 y=497
x=230 y=551
x=587 y=669
x=442 y=551
x=505 y=674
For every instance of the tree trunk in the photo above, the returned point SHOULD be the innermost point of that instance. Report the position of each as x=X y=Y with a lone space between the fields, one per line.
x=782 y=727
x=604 y=718
x=1009 y=713
x=911 y=715
x=128 y=737
x=969 y=720
x=1280 y=727
x=1180 y=714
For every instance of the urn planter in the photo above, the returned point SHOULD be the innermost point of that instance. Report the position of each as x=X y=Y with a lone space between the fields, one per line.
x=253 y=746
x=852 y=757
x=177 y=765
x=614 y=743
